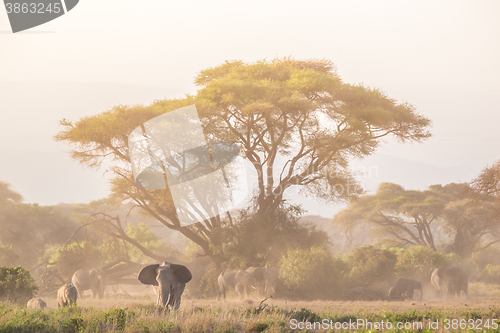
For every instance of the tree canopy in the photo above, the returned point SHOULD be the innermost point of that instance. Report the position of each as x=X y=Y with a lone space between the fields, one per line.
x=412 y=217
x=302 y=111
x=296 y=111
x=28 y=228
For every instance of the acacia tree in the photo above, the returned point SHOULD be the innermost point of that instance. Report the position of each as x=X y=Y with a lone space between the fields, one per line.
x=409 y=216
x=405 y=215
x=488 y=181
x=300 y=110
x=473 y=224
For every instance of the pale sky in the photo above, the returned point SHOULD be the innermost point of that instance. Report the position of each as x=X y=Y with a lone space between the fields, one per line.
x=441 y=57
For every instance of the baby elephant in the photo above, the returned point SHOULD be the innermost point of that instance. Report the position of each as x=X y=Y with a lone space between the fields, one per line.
x=404 y=289
x=36 y=303
x=66 y=295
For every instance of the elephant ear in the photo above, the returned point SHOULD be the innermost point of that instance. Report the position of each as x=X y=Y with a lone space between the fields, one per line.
x=147 y=275
x=182 y=273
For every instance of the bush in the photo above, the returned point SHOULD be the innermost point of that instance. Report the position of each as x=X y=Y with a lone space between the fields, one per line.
x=114 y=248
x=259 y=240
x=417 y=261
x=8 y=256
x=490 y=274
x=313 y=273
x=371 y=267
x=488 y=256
x=16 y=285
x=76 y=256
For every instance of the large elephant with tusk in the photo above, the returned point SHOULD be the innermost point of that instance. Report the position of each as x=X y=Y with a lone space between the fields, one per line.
x=170 y=280
x=450 y=281
x=265 y=279
x=241 y=281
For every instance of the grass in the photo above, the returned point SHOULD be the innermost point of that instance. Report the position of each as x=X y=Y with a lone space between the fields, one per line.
x=140 y=314
x=211 y=316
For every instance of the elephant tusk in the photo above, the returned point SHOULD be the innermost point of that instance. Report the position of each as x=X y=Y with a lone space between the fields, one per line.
x=253 y=287
x=168 y=300
x=158 y=299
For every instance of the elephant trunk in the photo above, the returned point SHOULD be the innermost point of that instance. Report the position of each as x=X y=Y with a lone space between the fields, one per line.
x=164 y=294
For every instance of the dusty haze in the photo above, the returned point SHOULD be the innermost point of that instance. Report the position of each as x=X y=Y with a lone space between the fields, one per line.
x=441 y=57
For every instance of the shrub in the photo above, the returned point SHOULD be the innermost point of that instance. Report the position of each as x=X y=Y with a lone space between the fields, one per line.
x=8 y=256
x=115 y=248
x=488 y=256
x=312 y=273
x=490 y=274
x=204 y=283
x=371 y=267
x=16 y=285
x=74 y=257
x=417 y=261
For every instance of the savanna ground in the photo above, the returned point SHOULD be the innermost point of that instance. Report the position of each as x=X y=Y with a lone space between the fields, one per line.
x=138 y=313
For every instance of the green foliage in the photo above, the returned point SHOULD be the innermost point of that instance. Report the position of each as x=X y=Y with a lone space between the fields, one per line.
x=116 y=248
x=417 y=261
x=75 y=256
x=305 y=315
x=312 y=273
x=141 y=319
x=93 y=253
x=16 y=285
x=371 y=266
x=261 y=241
x=256 y=327
x=29 y=228
x=490 y=255
x=7 y=256
x=116 y=317
x=490 y=274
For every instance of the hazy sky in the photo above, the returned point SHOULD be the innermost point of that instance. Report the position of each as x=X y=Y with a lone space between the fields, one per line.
x=441 y=57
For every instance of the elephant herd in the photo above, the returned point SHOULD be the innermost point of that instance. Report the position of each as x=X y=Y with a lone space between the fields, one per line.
x=446 y=281
x=261 y=279
x=169 y=281
x=68 y=293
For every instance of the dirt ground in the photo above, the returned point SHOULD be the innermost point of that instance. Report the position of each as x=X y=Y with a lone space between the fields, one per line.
x=144 y=295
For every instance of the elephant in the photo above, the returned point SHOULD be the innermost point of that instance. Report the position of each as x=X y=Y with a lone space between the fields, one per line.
x=272 y=275
x=171 y=280
x=238 y=280
x=66 y=295
x=36 y=303
x=355 y=293
x=259 y=275
x=265 y=279
x=404 y=288
x=85 y=280
x=450 y=281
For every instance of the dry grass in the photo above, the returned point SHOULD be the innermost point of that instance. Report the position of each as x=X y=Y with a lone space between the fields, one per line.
x=137 y=312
